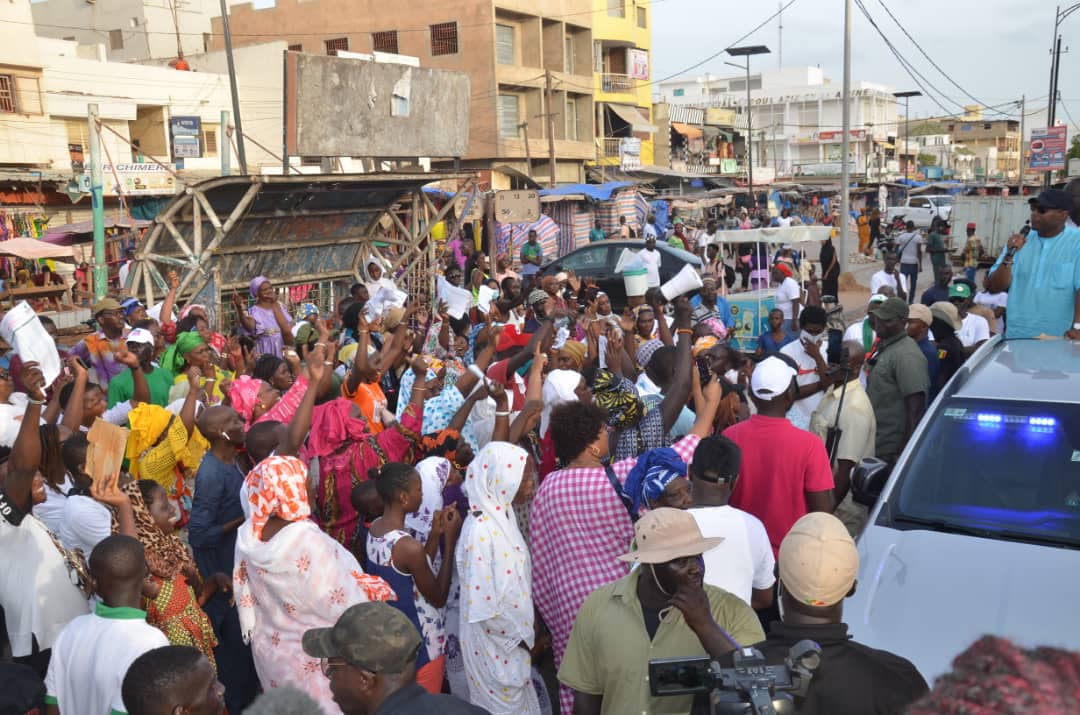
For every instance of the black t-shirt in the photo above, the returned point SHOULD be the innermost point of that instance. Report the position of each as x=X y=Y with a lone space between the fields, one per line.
x=951 y=356
x=853 y=679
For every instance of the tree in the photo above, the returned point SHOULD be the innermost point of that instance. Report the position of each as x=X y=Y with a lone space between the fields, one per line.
x=927 y=160
x=1073 y=153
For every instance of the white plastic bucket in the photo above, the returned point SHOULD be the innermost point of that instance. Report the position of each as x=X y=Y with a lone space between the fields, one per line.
x=636 y=282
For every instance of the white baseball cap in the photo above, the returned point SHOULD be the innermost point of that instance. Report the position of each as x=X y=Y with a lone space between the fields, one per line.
x=818 y=560
x=141 y=336
x=772 y=377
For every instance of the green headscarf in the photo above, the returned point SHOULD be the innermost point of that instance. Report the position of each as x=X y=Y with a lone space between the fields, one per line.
x=173 y=359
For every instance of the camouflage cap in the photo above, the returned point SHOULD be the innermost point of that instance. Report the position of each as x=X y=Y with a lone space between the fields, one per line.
x=374 y=636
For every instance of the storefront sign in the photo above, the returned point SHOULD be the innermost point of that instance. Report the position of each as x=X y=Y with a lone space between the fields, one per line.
x=639 y=64
x=1048 y=147
x=517 y=206
x=185 y=137
x=138 y=180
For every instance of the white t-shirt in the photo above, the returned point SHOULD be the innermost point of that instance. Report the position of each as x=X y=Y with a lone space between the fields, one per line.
x=122 y=273
x=974 y=330
x=908 y=245
x=800 y=412
x=51 y=511
x=783 y=222
x=651 y=259
x=786 y=295
x=855 y=332
x=36 y=591
x=86 y=523
x=881 y=278
x=744 y=561
x=92 y=656
x=994 y=300
x=704 y=239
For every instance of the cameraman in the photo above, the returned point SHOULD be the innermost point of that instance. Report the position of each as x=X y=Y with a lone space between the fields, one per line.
x=818 y=563
x=662 y=609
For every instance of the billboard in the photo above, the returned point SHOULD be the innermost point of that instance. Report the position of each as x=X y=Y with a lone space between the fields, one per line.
x=639 y=64
x=1048 y=147
x=138 y=180
x=338 y=106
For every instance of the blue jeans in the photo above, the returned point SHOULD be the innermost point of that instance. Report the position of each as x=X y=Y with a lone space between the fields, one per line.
x=911 y=270
x=970 y=273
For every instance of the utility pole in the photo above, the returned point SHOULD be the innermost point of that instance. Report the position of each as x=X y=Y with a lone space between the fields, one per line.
x=845 y=146
x=224 y=145
x=780 y=51
x=550 y=125
x=97 y=204
x=240 y=154
x=524 y=127
x=1020 y=159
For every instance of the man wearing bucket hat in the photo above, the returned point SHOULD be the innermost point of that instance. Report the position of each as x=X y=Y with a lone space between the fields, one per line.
x=818 y=564
x=663 y=609
x=1041 y=273
x=98 y=349
x=899 y=379
x=369 y=656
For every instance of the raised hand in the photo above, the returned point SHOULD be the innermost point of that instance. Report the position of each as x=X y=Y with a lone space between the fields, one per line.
x=33 y=379
x=108 y=492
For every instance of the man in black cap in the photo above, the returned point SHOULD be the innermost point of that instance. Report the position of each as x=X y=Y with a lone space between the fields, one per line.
x=369 y=655
x=1041 y=272
x=898 y=382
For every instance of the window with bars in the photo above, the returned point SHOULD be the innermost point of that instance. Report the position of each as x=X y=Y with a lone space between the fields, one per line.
x=209 y=141
x=616 y=8
x=385 y=41
x=296 y=48
x=7 y=94
x=504 y=44
x=444 y=39
x=337 y=44
x=509 y=116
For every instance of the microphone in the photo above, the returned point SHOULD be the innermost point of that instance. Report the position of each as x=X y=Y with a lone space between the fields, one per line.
x=1013 y=249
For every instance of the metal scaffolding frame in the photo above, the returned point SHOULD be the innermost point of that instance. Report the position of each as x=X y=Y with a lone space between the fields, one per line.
x=220 y=233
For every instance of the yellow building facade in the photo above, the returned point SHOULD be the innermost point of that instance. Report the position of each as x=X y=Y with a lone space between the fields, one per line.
x=622 y=68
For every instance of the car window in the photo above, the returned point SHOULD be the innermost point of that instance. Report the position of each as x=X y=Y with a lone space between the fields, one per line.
x=998 y=467
x=919 y=203
x=591 y=259
x=943 y=201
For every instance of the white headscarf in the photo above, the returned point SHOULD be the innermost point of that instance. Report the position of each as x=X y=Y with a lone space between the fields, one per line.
x=374 y=286
x=492 y=558
x=559 y=387
x=434 y=471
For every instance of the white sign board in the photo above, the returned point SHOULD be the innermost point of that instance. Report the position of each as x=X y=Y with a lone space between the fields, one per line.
x=517 y=206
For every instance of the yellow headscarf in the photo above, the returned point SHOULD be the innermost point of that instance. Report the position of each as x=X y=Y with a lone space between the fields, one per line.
x=151 y=456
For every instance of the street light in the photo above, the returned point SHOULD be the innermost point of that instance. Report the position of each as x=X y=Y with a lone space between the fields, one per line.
x=1055 y=67
x=906 y=96
x=746 y=51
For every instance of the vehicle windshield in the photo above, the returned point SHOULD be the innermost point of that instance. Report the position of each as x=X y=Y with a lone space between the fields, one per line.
x=1000 y=469
x=943 y=200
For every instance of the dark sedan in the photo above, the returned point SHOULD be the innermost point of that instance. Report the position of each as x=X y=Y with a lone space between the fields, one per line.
x=597 y=261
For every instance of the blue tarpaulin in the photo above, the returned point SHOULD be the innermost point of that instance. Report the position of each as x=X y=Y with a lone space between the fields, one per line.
x=595 y=192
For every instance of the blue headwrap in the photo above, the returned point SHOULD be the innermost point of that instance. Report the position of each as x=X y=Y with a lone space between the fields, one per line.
x=651 y=474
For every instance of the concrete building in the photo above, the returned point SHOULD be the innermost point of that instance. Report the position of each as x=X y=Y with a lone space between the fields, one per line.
x=129 y=29
x=622 y=63
x=796 y=115
x=148 y=113
x=994 y=144
x=508 y=48
x=954 y=159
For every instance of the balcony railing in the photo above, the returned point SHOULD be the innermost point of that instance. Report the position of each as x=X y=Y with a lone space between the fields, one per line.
x=615 y=83
x=611 y=147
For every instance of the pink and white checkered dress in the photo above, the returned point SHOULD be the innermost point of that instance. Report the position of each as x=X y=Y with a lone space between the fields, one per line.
x=578 y=528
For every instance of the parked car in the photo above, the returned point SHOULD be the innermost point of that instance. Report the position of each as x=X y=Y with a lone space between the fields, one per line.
x=597 y=261
x=923 y=209
x=977 y=529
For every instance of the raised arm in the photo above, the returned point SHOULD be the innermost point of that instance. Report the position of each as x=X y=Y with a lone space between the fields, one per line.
x=170 y=298
x=246 y=320
x=540 y=338
x=301 y=423
x=675 y=399
x=26 y=453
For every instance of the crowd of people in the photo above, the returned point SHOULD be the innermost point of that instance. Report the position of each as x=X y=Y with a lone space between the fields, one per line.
x=381 y=508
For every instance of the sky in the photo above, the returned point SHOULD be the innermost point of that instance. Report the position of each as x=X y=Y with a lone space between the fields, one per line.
x=996 y=50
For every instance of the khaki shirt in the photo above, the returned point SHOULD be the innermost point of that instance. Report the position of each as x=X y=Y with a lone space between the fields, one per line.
x=898 y=370
x=858 y=425
x=609 y=649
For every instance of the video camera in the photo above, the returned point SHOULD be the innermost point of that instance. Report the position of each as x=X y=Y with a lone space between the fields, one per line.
x=750 y=687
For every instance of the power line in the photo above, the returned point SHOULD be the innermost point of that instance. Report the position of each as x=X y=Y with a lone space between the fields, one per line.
x=930 y=60
x=911 y=71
